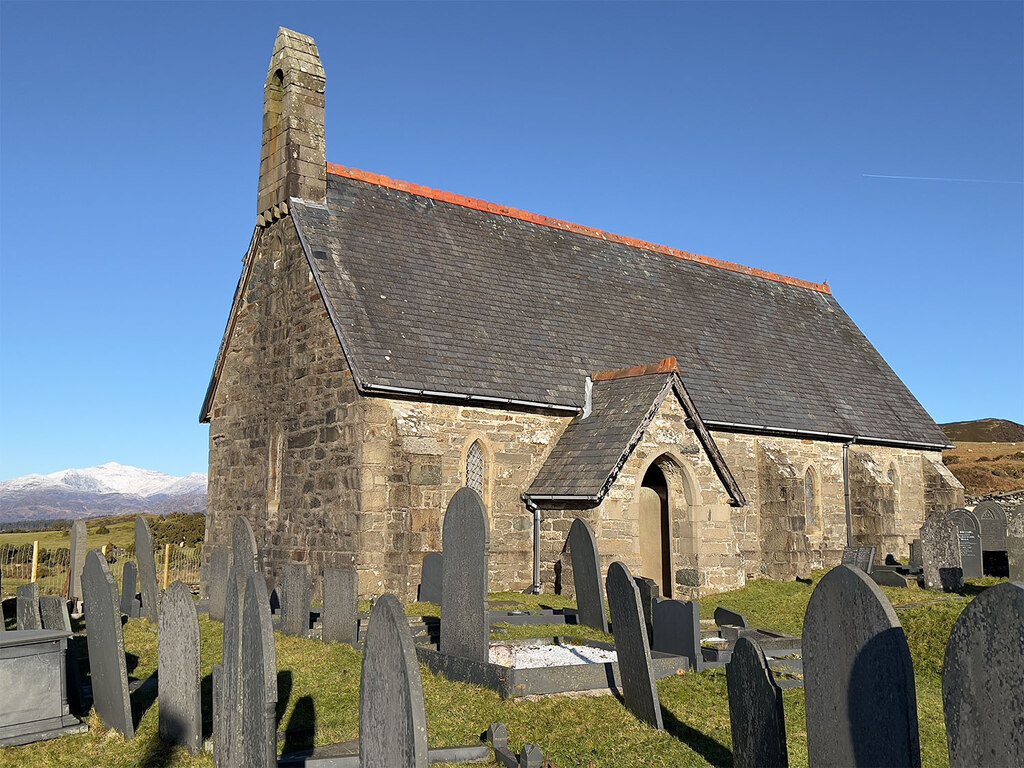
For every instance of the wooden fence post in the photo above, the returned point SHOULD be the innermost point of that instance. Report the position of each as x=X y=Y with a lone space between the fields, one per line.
x=35 y=559
x=167 y=563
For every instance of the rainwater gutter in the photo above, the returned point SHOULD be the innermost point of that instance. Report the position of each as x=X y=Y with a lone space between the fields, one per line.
x=483 y=400
x=846 y=491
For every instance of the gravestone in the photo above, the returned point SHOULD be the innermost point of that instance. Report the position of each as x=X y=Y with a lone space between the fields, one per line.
x=677 y=631
x=129 y=589
x=755 y=709
x=992 y=520
x=586 y=574
x=650 y=593
x=969 y=534
x=983 y=692
x=940 y=554
x=726 y=618
x=220 y=564
x=178 y=669
x=859 y=557
x=430 y=578
x=259 y=678
x=631 y=646
x=392 y=719
x=79 y=548
x=28 y=607
x=340 y=619
x=858 y=676
x=296 y=589
x=217 y=683
x=105 y=639
x=54 y=614
x=144 y=554
x=887 y=577
x=915 y=553
x=244 y=554
x=227 y=731
x=464 y=627
x=1015 y=545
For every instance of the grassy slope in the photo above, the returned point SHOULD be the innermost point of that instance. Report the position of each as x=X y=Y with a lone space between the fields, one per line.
x=986 y=468
x=122 y=533
x=320 y=685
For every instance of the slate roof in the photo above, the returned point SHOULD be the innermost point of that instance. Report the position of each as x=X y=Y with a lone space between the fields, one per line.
x=588 y=456
x=442 y=297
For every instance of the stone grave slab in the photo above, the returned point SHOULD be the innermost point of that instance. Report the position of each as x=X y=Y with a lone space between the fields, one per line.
x=146 y=557
x=650 y=593
x=217 y=680
x=464 y=536
x=992 y=519
x=888 y=577
x=178 y=669
x=259 y=678
x=631 y=646
x=105 y=639
x=227 y=730
x=392 y=719
x=130 y=590
x=296 y=588
x=940 y=554
x=969 y=533
x=726 y=618
x=430 y=578
x=983 y=681
x=79 y=548
x=586 y=573
x=54 y=613
x=28 y=607
x=861 y=698
x=244 y=554
x=859 y=557
x=755 y=710
x=677 y=630
x=1015 y=545
x=340 y=619
x=915 y=553
x=220 y=564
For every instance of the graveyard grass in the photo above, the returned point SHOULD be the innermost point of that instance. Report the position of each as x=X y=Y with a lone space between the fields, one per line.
x=319 y=694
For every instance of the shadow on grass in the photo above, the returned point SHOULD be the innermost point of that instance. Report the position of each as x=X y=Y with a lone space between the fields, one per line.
x=712 y=751
x=284 y=695
x=142 y=699
x=301 y=731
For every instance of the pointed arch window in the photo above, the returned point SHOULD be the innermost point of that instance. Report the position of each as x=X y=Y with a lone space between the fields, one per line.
x=475 y=468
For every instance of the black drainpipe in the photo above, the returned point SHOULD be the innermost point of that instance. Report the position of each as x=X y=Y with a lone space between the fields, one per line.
x=846 y=491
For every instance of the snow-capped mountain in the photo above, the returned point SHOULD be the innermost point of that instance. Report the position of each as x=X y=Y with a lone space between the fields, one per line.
x=104 y=490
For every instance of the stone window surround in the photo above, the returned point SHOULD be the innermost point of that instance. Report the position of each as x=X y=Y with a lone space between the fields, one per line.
x=812 y=517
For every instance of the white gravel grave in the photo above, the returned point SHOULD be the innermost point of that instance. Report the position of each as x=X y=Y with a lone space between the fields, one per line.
x=546 y=655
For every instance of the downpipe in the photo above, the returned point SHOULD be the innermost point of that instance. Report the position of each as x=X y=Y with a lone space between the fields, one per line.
x=534 y=589
x=846 y=492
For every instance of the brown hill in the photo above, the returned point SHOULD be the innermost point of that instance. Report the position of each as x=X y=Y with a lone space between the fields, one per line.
x=986 y=468
x=984 y=431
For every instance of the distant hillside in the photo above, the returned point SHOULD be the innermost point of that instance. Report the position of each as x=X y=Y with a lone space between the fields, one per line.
x=984 y=431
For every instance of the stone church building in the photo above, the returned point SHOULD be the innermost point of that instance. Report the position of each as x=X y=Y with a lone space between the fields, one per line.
x=389 y=344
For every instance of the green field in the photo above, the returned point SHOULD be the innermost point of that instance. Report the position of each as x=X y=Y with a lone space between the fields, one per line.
x=121 y=534
x=319 y=687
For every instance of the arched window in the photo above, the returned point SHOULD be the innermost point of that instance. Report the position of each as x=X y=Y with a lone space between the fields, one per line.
x=894 y=480
x=475 y=468
x=811 y=501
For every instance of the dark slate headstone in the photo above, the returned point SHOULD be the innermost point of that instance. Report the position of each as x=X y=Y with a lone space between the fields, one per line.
x=464 y=537
x=983 y=681
x=178 y=669
x=430 y=578
x=586 y=574
x=244 y=554
x=108 y=669
x=726 y=618
x=227 y=731
x=992 y=519
x=79 y=548
x=340 y=619
x=631 y=646
x=650 y=593
x=296 y=588
x=940 y=553
x=1015 y=545
x=28 y=607
x=858 y=677
x=54 y=613
x=392 y=719
x=677 y=630
x=915 y=553
x=146 y=557
x=217 y=681
x=220 y=564
x=887 y=577
x=755 y=709
x=859 y=557
x=129 y=588
x=970 y=542
x=259 y=678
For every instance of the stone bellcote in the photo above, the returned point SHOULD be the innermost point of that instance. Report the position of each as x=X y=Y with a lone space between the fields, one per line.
x=293 y=162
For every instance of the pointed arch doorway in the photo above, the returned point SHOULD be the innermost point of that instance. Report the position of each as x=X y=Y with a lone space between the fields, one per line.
x=655 y=530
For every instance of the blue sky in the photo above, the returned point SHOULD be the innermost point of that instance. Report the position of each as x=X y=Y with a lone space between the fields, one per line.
x=129 y=153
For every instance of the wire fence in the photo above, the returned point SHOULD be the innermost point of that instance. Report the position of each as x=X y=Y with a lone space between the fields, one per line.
x=52 y=567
